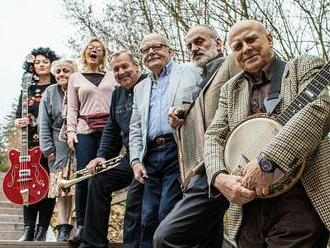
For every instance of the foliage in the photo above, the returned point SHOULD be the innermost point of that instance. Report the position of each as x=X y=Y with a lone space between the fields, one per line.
x=297 y=28
x=8 y=137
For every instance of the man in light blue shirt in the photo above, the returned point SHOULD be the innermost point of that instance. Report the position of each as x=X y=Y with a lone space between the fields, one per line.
x=153 y=150
x=159 y=104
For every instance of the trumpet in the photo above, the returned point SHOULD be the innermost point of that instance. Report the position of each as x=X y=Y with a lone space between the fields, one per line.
x=83 y=174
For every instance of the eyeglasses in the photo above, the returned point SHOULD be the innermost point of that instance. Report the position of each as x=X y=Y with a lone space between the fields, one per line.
x=98 y=49
x=65 y=70
x=156 y=47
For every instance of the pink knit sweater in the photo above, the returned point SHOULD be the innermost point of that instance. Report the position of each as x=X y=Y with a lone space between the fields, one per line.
x=84 y=98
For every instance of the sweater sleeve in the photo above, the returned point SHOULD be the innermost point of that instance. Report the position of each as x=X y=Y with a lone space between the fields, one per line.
x=73 y=105
x=45 y=125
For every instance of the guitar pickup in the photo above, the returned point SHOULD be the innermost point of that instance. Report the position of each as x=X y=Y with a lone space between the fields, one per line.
x=24 y=158
x=24 y=173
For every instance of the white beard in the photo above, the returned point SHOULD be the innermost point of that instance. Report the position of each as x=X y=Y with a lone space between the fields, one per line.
x=208 y=56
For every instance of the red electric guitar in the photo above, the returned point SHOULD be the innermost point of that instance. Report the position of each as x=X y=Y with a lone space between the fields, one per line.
x=26 y=182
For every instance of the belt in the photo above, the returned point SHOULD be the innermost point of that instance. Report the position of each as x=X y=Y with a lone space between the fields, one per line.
x=160 y=140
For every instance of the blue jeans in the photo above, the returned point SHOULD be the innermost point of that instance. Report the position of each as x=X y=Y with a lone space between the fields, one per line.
x=161 y=189
x=85 y=150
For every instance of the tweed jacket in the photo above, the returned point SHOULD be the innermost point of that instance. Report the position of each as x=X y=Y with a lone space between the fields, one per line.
x=199 y=116
x=183 y=80
x=303 y=136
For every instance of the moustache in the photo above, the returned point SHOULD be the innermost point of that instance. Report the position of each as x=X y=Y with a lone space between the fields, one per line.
x=123 y=76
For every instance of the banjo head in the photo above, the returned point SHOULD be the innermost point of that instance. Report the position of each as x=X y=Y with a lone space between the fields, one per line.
x=247 y=140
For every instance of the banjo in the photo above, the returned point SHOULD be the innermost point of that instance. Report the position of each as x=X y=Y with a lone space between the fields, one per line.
x=238 y=152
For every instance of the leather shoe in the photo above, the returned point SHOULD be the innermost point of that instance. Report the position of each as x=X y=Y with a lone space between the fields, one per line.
x=40 y=233
x=28 y=234
x=75 y=241
x=64 y=231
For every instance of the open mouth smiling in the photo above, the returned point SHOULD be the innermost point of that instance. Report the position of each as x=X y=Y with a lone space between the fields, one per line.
x=93 y=56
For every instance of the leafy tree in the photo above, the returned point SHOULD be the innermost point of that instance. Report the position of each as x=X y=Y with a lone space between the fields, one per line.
x=297 y=28
x=9 y=137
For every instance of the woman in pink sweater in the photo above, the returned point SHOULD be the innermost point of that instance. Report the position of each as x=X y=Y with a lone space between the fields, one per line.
x=89 y=98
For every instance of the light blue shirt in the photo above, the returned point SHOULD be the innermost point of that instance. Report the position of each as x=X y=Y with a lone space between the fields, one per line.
x=159 y=104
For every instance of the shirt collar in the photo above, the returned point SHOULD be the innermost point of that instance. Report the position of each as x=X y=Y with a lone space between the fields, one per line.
x=266 y=73
x=165 y=72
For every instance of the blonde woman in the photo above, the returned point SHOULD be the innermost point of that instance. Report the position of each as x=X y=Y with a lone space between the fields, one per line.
x=52 y=117
x=89 y=98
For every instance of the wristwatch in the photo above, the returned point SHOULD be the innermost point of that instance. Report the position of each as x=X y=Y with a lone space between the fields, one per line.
x=265 y=164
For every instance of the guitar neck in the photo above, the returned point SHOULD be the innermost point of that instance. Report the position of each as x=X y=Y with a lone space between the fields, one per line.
x=309 y=94
x=25 y=114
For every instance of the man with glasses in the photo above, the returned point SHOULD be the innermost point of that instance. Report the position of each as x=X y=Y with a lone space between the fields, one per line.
x=197 y=215
x=153 y=149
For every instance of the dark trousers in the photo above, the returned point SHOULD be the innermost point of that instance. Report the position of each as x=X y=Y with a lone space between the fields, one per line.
x=101 y=187
x=288 y=220
x=45 y=207
x=195 y=221
x=132 y=219
x=161 y=189
x=85 y=150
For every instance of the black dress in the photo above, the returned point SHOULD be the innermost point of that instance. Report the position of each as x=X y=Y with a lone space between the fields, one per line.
x=46 y=206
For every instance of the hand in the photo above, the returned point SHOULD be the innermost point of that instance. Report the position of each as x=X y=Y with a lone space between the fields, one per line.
x=21 y=122
x=72 y=139
x=175 y=116
x=51 y=157
x=93 y=163
x=256 y=179
x=230 y=186
x=140 y=172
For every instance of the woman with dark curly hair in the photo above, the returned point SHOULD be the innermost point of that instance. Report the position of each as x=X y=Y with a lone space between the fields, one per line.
x=40 y=67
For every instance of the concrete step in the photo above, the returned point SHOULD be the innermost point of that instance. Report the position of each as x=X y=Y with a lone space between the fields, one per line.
x=11 y=218
x=11 y=211
x=11 y=226
x=10 y=235
x=8 y=204
x=31 y=244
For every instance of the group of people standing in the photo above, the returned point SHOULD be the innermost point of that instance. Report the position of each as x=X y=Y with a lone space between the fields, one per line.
x=101 y=113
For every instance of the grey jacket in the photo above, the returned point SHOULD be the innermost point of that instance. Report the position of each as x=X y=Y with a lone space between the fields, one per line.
x=183 y=81
x=49 y=124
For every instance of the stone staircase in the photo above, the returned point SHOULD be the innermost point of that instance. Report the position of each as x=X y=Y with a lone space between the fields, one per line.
x=11 y=217
x=11 y=226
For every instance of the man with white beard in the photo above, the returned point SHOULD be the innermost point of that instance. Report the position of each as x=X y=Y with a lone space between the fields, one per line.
x=197 y=215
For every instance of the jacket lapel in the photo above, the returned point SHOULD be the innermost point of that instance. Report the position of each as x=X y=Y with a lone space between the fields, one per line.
x=174 y=82
x=241 y=101
x=146 y=91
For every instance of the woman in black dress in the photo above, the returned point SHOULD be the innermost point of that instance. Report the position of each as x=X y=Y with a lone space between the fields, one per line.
x=40 y=67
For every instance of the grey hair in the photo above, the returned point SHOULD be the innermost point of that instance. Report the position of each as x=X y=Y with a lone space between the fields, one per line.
x=125 y=51
x=213 y=33
x=63 y=62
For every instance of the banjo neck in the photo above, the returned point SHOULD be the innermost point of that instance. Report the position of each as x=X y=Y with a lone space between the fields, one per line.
x=309 y=94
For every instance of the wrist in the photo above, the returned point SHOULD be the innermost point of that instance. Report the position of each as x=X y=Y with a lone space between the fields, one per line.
x=217 y=178
x=266 y=165
x=135 y=162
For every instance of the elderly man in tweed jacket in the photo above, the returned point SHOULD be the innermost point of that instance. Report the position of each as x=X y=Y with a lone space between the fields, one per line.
x=299 y=217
